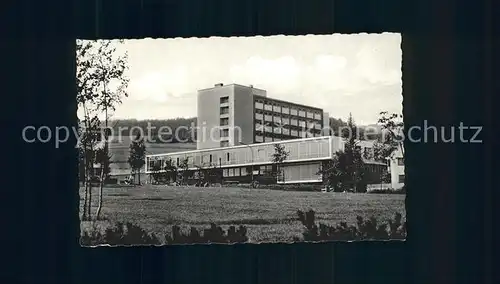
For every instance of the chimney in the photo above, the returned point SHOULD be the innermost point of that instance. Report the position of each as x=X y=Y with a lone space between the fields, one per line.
x=219 y=85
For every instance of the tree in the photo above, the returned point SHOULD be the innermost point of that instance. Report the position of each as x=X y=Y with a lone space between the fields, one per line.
x=354 y=164
x=333 y=172
x=137 y=156
x=392 y=127
x=110 y=84
x=391 y=139
x=156 y=172
x=101 y=84
x=170 y=170
x=278 y=158
x=184 y=166
x=88 y=143
x=346 y=170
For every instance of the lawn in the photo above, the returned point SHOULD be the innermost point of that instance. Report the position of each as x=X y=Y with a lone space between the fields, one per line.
x=269 y=215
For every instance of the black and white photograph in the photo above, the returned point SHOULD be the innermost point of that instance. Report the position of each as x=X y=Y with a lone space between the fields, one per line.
x=265 y=139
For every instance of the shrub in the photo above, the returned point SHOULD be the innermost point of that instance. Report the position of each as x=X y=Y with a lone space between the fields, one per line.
x=130 y=234
x=364 y=230
x=120 y=234
x=389 y=191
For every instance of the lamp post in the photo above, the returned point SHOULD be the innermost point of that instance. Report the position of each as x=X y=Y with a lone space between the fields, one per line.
x=252 y=161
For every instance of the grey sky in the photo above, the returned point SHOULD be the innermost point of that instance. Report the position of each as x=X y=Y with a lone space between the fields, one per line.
x=339 y=73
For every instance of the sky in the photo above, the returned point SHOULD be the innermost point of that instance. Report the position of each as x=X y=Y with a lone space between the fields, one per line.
x=357 y=73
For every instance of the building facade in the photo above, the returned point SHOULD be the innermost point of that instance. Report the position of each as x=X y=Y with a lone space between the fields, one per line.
x=397 y=169
x=246 y=162
x=232 y=115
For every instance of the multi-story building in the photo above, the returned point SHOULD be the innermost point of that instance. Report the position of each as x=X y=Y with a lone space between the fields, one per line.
x=232 y=115
x=238 y=128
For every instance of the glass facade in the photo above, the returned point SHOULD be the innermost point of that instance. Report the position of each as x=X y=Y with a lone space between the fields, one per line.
x=300 y=150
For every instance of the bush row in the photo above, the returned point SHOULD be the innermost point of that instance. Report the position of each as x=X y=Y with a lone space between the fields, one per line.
x=389 y=191
x=369 y=229
x=131 y=234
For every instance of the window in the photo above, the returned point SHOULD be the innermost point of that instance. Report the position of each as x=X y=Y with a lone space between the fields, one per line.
x=210 y=158
x=224 y=110
x=224 y=133
x=260 y=153
x=401 y=178
x=224 y=100
x=302 y=123
x=268 y=118
x=277 y=119
x=258 y=126
x=224 y=143
x=227 y=157
x=224 y=121
x=276 y=108
x=259 y=116
x=293 y=111
x=302 y=113
x=285 y=110
x=317 y=116
x=294 y=133
x=259 y=105
x=310 y=115
x=293 y=122
x=231 y=172
x=151 y=164
x=259 y=138
x=178 y=161
x=286 y=131
x=285 y=121
x=401 y=162
x=268 y=139
x=277 y=130
x=243 y=171
x=268 y=107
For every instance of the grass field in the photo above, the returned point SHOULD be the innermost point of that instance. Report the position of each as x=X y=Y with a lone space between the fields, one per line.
x=269 y=215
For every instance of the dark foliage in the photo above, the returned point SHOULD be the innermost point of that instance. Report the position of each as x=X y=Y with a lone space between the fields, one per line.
x=130 y=234
x=364 y=230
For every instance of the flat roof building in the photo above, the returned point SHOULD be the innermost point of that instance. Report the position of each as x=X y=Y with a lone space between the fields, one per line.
x=232 y=115
x=238 y=129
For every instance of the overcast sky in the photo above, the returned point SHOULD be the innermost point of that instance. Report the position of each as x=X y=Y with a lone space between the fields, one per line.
x=339 y=73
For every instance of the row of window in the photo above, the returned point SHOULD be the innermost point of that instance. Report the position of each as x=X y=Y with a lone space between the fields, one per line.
x=288 y=124
x=262 y=153
x=224 y=121
x=259 y=138
x=269 y=115
x=259 y=105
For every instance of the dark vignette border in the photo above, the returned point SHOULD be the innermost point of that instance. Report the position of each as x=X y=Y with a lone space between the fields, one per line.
x=445 y=63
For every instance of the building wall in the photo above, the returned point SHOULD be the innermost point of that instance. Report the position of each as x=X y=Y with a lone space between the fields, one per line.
x=208 y=114
x=299 y=173
x=301 y=150
x=242 y=114
x=326 y=124
x=397 y=171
